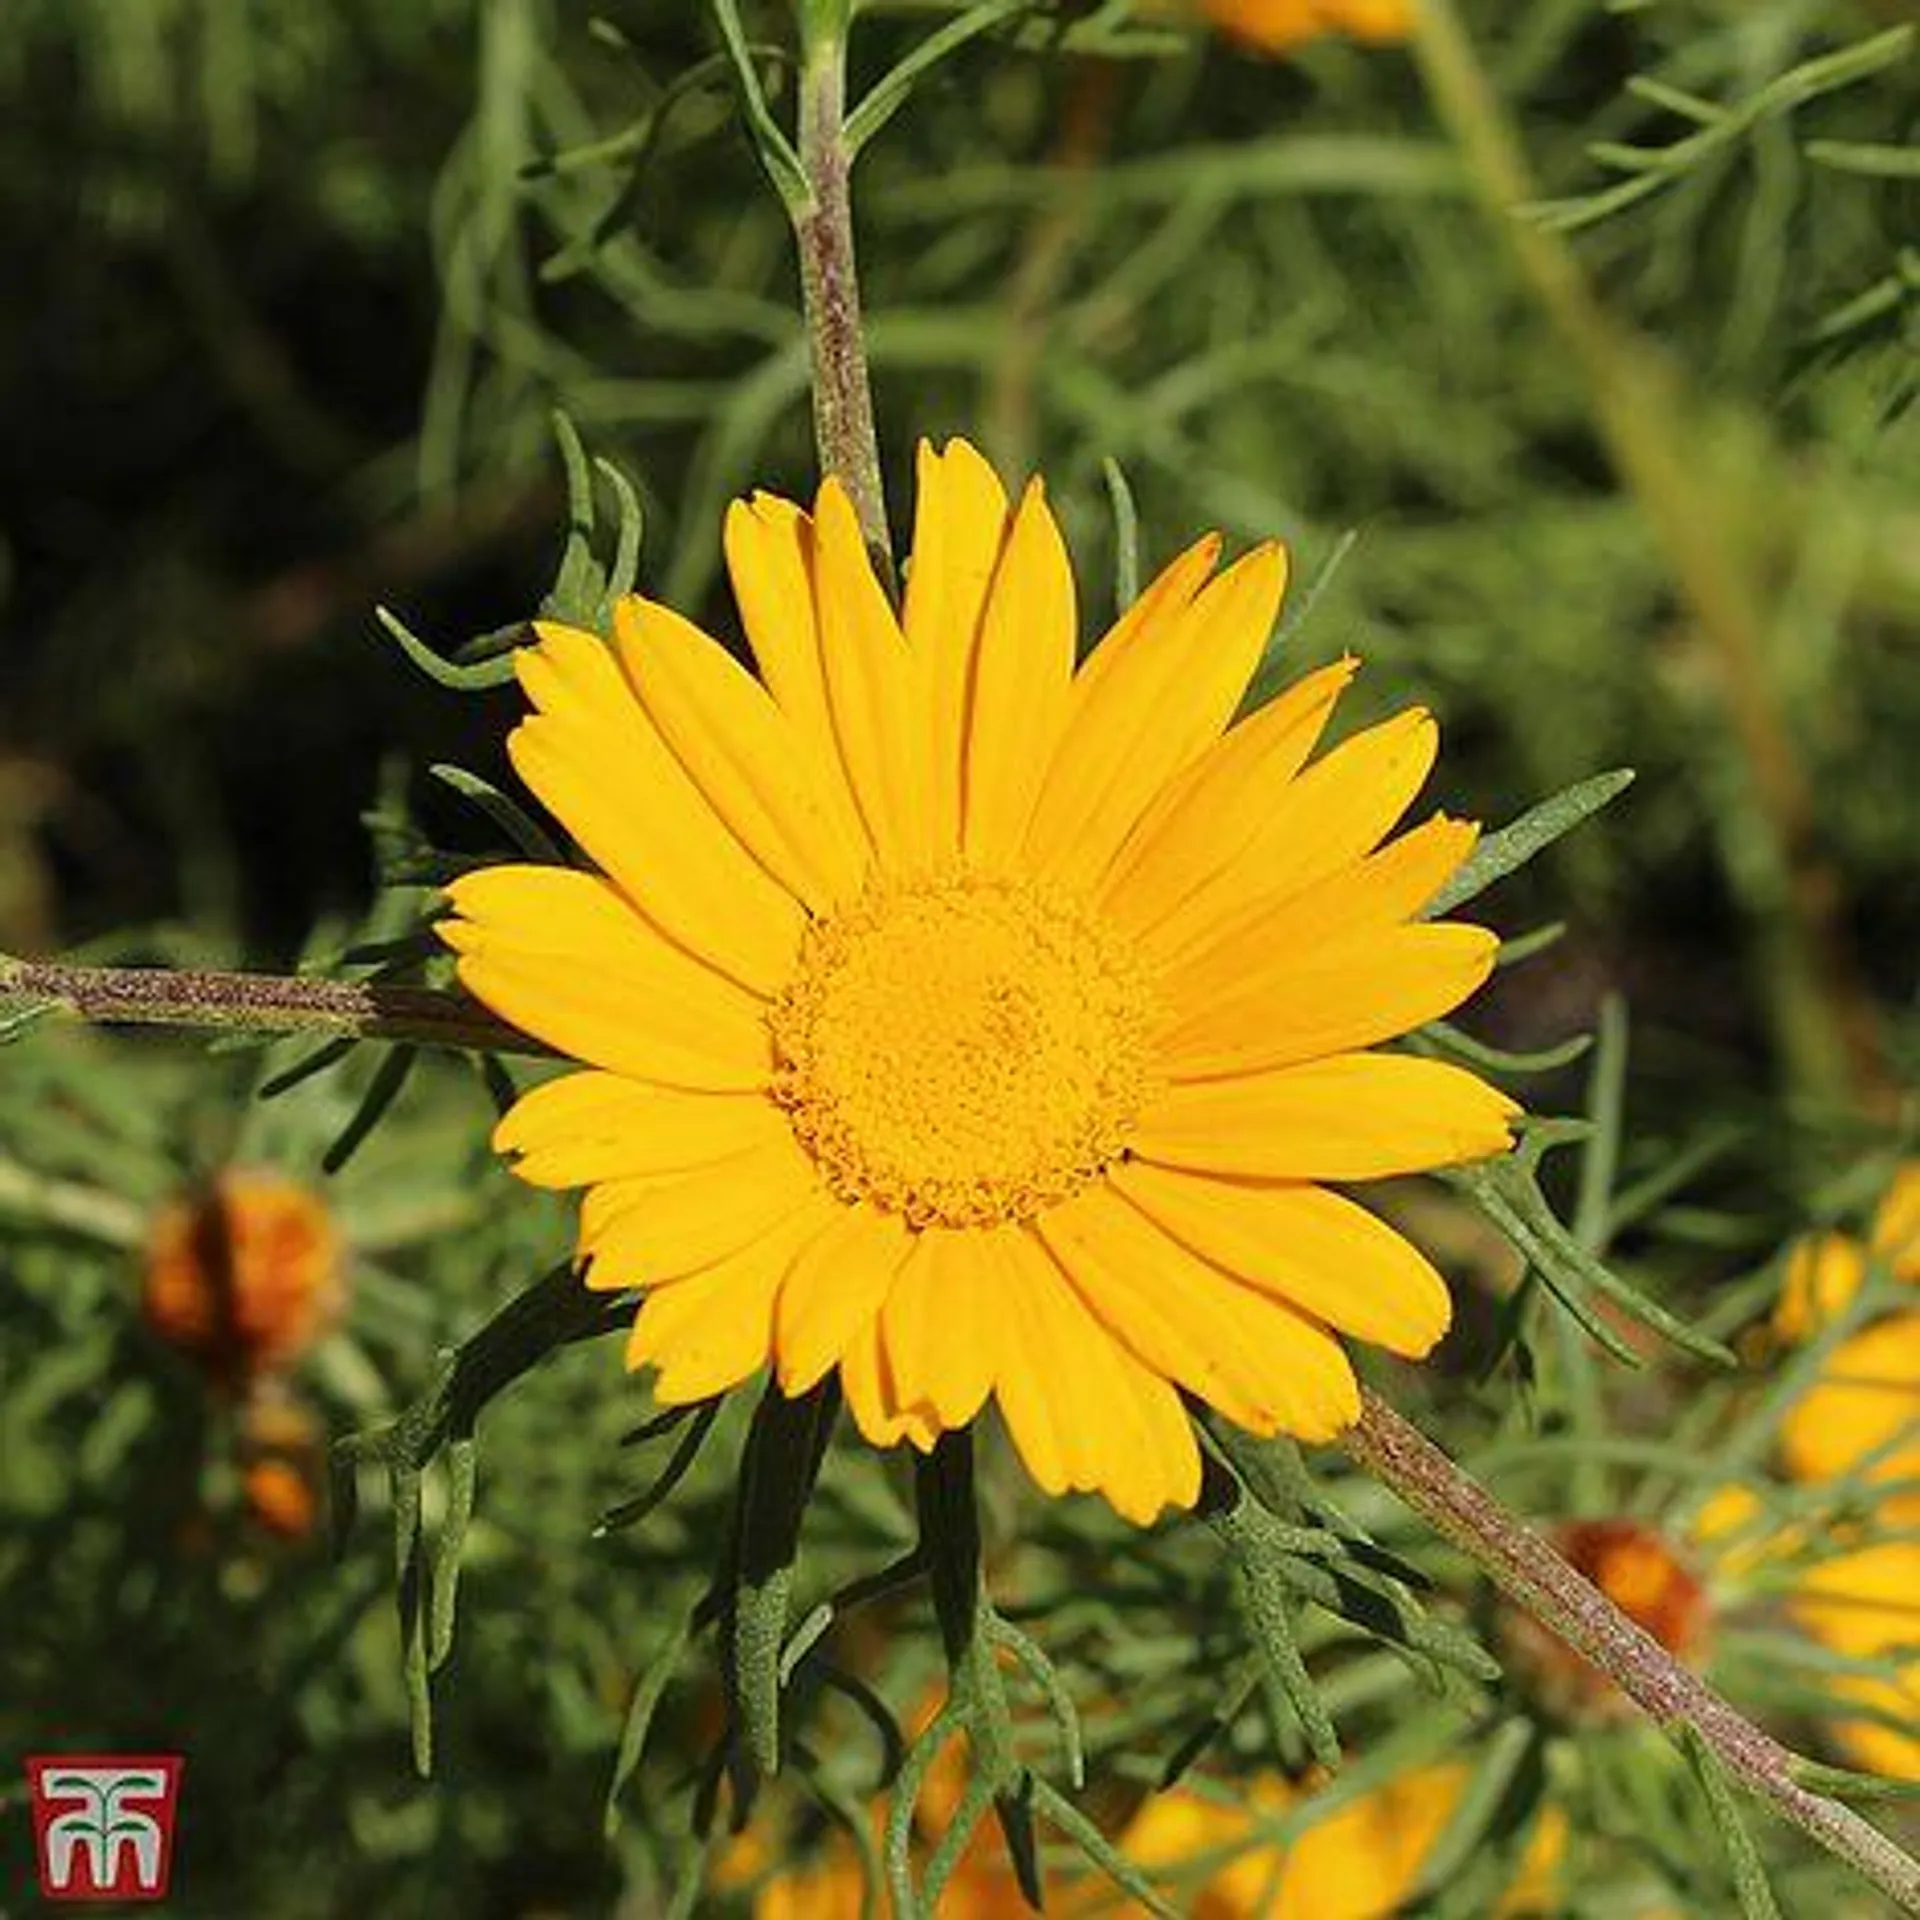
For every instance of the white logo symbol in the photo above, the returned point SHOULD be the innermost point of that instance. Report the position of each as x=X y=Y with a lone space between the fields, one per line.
x=102 y=1825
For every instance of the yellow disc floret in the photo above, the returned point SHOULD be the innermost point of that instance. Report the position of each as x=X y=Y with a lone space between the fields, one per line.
x=964 y=1050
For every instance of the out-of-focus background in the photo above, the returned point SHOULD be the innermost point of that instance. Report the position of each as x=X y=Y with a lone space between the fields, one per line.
x=293 y=292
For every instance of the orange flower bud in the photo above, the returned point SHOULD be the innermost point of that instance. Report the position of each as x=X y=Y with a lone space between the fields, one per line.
x=244 y=1276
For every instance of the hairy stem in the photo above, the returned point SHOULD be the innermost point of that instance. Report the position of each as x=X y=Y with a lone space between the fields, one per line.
x=1528 y=1571
x=261 y=1003
x=830 y=293
x=1824 y=1019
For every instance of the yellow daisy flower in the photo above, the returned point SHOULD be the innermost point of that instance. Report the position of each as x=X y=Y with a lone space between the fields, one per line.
x=1278 y=26
x=972 y=1024
x=1359 y=1863
x=1862 y=1413
x=1825 y=1270
x=1866 y=1605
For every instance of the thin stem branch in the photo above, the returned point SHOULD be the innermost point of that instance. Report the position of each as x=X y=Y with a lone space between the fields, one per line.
x=1823 y=1015
x=261 y=1003
x=1526 y=1568
x=830 y=293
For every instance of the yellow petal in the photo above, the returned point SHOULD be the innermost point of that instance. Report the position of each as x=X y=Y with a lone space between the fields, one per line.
x=871 y=689
x=1864 y=1603
x=641 y=1232
x=871 y=1397
x=936 y=1327
x=770 y=561
x=1156 y=691
x=1824 y=1272
x=600 y=768
x=750 y=761
x=1247 y=1355
x=1334 y=998
x=712 y=1330
x=1336 y=811
x=585 y=1127
x=1022 y=670
x=1317 y=1250
x=1862 y=1413
x=563 y=957
x=1358 y=1116
x=1206 y=818
x=959 y=532
x=1385 y=887
x=1084 y=1414
x=1896 y=1223
x=836 y=1287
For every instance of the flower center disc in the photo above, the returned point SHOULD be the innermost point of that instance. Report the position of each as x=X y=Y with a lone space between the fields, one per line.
x=963 y=1050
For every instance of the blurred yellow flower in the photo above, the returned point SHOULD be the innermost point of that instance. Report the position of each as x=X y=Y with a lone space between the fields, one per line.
x=1866 y=1605
x=1862 y=1414
x=244 y=1276
x=1825 y=1270
x=976 y=1026
x=1278 y=26
x=1359 y=1863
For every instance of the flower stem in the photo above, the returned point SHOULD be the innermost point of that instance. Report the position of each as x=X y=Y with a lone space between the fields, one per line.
x=830 y=293
x=1823 y=1016
x=260 y=1003
x=1528 y=1571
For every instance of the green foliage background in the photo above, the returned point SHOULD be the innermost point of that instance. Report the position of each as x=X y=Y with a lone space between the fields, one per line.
x=295 y=291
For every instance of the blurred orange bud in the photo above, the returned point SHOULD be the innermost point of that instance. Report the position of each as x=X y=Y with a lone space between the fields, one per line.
x=1278 y=26
x=246 y=1275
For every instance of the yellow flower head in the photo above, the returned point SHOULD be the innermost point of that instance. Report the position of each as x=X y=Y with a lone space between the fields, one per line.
x=1825 y=1270
x=1866 y=1606
x=1278 y=26
x=976 y=1026
x=245 y=1276
x=1863 y=1413
x=1361 y=1862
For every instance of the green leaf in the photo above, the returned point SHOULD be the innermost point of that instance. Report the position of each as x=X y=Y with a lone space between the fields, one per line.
x=1750 y=1884
x=382 y=1090
x=1508 y=1193
x=1298 y=609
x=1508 y=850
x=494 y=670
x=892 y=90
x=648 y=1692
x=629 y=1513
x=779 y=1467
x=505 y=813
x=463 y=1461
x=1126 y=537
x=1060 y=1812
x=770 y=142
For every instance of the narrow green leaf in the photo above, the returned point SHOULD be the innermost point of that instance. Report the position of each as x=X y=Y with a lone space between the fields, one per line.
x=648 y=1692
x=382 y=1090
x=463 y=1460
x=770 y=142
x=1060 y=1813
x=629 y=1513
x=1750 y=1884
x=1046 y=1677
x=894 y=87
x=1507 y=851
x=478 y=677
x=507 y=814
x=1126 y=537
